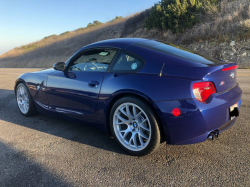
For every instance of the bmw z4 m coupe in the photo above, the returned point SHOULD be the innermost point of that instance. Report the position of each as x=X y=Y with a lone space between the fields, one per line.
x=142 y=92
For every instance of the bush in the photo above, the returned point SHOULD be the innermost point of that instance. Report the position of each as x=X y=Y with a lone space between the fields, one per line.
x=29 y=47
x=116 y=18
x=81 y=29
x=95 y=23
x=67 y=32
x=176 y=15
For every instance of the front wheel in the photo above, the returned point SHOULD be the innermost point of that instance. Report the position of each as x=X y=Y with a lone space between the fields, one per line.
x=24 y=101
x=134 y=126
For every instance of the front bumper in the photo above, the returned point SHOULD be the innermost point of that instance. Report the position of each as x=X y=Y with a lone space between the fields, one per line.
x=197 y=119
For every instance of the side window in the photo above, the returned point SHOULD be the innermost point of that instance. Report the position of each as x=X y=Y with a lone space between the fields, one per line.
x=126 y=62
x=97 y=60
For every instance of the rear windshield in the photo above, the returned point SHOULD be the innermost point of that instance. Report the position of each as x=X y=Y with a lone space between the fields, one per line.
x=180 y=52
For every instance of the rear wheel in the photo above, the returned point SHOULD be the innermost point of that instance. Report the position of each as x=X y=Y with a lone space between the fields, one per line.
x=24 y=101
x=134 y=126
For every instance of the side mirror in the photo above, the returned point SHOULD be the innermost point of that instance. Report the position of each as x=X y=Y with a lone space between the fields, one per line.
x=59 y=66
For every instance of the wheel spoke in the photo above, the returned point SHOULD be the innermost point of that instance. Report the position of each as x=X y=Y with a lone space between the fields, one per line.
x=138 y=114
x=125 y=134
x=26 y=107
x=134 y=140
x=122 y=111
x=23 y=107
x=128 y=112
x=144 y=127
x=122 y=123
x=134 y=111
x=123 y=130
x=143 y=135
x=141 y=141
x=22 y=91
x=143 y=121
x=130 y=140
x=25 y=98
x=25 y=102
x=121 y=118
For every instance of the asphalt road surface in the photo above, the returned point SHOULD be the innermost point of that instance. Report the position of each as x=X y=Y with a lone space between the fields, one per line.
x=46 y=151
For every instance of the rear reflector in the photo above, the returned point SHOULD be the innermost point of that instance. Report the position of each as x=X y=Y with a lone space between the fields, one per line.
x=202 y=90
x=230 y=68
x=176 y=112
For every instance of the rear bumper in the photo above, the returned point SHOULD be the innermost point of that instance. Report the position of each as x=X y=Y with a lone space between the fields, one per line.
x=197 y=119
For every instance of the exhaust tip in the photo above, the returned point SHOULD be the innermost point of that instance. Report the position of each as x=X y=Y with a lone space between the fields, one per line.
x=210 y=137
x=213 y=134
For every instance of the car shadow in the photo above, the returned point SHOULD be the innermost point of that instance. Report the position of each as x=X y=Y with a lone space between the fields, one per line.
x=17 y=170
x=80 y=133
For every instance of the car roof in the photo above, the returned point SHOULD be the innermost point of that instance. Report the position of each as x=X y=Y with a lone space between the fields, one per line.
x=122 y=43
x=156 y=53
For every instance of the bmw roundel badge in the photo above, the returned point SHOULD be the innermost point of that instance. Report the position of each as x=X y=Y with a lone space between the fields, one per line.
x=232 y=75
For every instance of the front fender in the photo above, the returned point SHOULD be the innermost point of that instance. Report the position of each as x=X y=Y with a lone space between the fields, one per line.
x=36 y=84
x=34 y=79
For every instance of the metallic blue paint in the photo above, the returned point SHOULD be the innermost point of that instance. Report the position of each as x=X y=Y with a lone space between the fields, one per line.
x=165 y=83
x=75 y=94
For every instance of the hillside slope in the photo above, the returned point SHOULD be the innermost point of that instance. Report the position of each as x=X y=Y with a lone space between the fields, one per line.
x=223 y=34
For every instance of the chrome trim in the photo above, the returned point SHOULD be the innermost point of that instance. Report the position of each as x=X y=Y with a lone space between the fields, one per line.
x=60 y=110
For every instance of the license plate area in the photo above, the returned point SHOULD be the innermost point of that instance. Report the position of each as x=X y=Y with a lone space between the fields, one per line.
x=233 y=111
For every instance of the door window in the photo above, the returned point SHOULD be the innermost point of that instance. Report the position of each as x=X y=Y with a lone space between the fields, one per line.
x=97 y=60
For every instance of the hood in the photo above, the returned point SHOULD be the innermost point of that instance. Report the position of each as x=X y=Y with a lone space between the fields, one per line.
x=45 y=71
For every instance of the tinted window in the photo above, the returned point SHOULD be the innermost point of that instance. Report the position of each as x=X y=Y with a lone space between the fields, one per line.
x=126 y=62
x=180 y=52
x=93 y=60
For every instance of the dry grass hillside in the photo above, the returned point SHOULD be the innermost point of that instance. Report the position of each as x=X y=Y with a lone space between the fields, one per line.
x=224 y=32
x=53 y=49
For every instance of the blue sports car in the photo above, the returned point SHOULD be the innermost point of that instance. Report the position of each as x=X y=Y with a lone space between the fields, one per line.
x=142 y=92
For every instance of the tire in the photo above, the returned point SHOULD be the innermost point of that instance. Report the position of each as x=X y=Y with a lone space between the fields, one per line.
x=24 y=100
x=134 y=126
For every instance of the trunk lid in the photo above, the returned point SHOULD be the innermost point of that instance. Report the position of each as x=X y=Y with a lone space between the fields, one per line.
x=223 y=80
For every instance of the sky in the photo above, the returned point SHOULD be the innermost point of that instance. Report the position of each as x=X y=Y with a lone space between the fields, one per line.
x=26 y=21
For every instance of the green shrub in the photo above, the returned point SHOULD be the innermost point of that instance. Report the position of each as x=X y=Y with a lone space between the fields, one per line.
x=176 y=15
x=29 y=47
x=67 y=32
x=116 y=18
x=81 y=29
x=95 y=23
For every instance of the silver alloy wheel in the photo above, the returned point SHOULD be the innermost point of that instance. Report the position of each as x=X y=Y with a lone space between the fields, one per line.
x=22 y=99
x=132 y=126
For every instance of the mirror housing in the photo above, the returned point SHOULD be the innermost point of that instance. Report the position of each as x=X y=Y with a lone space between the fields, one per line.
x=59 y=66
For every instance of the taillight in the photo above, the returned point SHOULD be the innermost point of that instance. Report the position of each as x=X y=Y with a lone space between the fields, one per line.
x=202 y=90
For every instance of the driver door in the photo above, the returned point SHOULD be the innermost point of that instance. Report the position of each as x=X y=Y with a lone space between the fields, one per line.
x=76 y=90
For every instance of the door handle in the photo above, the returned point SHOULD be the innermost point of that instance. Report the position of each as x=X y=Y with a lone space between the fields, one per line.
x=93 y=84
